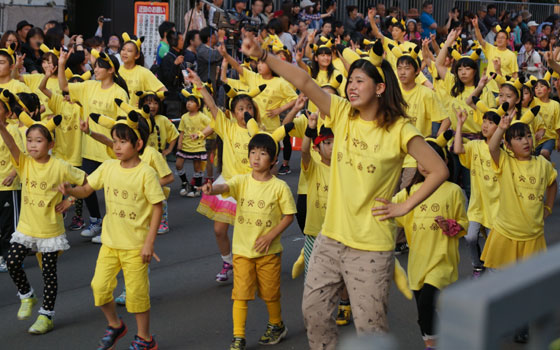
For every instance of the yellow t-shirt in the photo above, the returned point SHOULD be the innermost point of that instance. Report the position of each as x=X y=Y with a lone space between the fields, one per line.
x=535 y=125
x=522 y=188
x=433 y=256
x=237 y=84
x=278 y=92
x=164 y=133
x=260 y=207
x=423 y=109
x=317 y=176
x=23 y=133
x=94 y=99
x=156 y=161
x=129 y=196
x=139 y=79
x=485 y=189
x=6 y=166
x=405 y=47
x=235 y=154
x=40 y=194
x=15 y=87
x=192 y=124
x=339 y=65
x=323 y=79
x=459 y=102
x=366 y=164
x=550 y=113
x=68 y=145
x=34 y=80
x=508 y=61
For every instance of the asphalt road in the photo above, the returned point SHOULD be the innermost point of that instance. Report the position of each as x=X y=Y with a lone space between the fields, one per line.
x=189 y=309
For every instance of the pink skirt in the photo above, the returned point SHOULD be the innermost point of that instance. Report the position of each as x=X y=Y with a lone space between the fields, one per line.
x=218 y=208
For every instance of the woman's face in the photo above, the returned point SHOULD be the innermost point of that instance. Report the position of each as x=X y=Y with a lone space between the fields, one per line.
x=12 y=39
x=35 y=41
x=324 y=60
x=466 y=75
x=129 y=53
x=360 y=89
x=411 y=26
x=102 y=73
x=48 y=63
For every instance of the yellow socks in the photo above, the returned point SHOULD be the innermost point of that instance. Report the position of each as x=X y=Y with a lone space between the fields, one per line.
x=239 y=318
x=274 y=312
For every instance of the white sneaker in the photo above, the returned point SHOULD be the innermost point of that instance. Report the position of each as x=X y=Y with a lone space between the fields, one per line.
x=96 y=239
x=191 y=194
x=3 y=266
x=93 y=229
x=183 y=192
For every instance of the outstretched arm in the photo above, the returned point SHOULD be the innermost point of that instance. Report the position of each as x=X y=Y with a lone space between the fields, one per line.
x=478 y=33
x=62 y=82
x=496 y=140
x=9 y=141
x=208 y=99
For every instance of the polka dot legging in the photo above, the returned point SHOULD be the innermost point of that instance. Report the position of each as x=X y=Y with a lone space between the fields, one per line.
x=16 y=254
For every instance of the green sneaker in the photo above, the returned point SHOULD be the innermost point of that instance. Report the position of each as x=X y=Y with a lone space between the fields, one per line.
x=237 y=344
x=273 y=334
x=26 y=307
x=42 y=325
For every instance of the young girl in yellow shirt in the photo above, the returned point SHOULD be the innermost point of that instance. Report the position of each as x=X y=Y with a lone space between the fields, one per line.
x=433 y=229
x=191 y=145
x=235 y=137
x=41 y=226
x=550 y=112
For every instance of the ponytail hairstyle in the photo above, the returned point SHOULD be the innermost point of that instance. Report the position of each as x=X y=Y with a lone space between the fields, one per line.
x=519 y=95
x=106 y=61
x=29 y=103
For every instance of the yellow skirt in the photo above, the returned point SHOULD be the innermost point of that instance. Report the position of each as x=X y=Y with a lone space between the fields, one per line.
x=500 y=251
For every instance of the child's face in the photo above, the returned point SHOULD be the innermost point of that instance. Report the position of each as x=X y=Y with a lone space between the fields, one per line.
x=397 y=33
x=154 y=106
x=260 y=160
x=124 y=149
x=488 y=128
x=37 y=144
x=240 y=108
x=324 y=60
x=406 y=73
x=192 y=106
x=47 y=64
x=541 y=90
x=506 y=95
x=521 y=146
x=325 y=149
x=466 y=75
x=129 y=53
x=5 y=66
x=526 y=98
x=263 y=68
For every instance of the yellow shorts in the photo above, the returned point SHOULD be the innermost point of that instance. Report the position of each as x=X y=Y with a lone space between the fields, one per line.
x=256 y=274
x=109 y=262
x=500 y=251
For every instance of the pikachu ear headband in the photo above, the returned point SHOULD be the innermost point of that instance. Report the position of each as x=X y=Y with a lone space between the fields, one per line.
x=399 y=24
x=548 y=76
x=412 y=53
x=375 y=57
x=69 y=75
x=161 y=95
x=46 y=49
x=10 y=50
x=195 y=93
x=442 y=141
x=138 y=42
x=335 y=81
x=131 y=121
x=50 y=124
x=232 y=93
x=277 y=136
x=531 y=82
x=325 y=43
x=475 y=55
x=143 y=112
x=507 y=29
x=507 y=80
x=483 y=108
x=7 y=98
x=104 y=57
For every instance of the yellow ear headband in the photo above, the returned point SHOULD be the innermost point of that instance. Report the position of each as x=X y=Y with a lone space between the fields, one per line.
x=549 y=75
x=232 y=93
x=131 y=121
x=327 y=43
x=6 y=97
x=46 y=49
x=335 y=82
x=528 y=116
x=413 y=53
x=104 y=57
x=196 y=94
x=10 y=51
x=137 y=42
x=499 y=29
x=144 y=111
x=272 y=40
x=50 y=124
x=442 y=141
x=401 y=24
x=69 y=75
x=475 y=55
x=531 y=82
x=159 y=94
x=278 y=134
x=516 y=83
x=483 y=108
x=375 y=57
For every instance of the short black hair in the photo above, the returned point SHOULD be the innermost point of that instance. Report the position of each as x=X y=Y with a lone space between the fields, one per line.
x=492 y=116
x=263 y=141
x=165 y=27
x=490 y=7
x=275 y=25
x=200 y=103
x=407 y=59
x=191 y=34
x=351 y=8
x=125 y=132
x=427 y=3
x=205 y=34
x=517 y=130
x=42 y=129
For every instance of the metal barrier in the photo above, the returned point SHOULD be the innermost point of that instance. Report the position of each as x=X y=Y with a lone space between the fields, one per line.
x=478 y=314
x=539 y=11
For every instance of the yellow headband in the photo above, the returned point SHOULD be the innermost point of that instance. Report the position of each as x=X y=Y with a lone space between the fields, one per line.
x=144 y=111
x=516 y=83
x=335 y=81
x=483 y=108
x=69 y=75
x=507 y=29
x=531 y=82
x=232 y=93
x=326 y=43
x=475 y=55
x=442 y=141
x=375 y=57
x=131 y=121
x=46 y=49
x=159 y=94
x=413 y=53
x=137 y=42
x=396 y=22
x=50 y=124
x=196 y=94
x=104 y=57
x=278 y=134
x=10 y=51
x=7 y=97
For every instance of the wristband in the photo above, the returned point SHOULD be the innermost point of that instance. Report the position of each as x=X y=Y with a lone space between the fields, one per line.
x=89 y=132
x=199 y=88
x=201 y=135
x=548 y=208
x=264 y=56
x=71 y=200
x=311 y=133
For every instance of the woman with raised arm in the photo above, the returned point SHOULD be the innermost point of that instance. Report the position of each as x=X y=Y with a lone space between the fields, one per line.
x=357 y=240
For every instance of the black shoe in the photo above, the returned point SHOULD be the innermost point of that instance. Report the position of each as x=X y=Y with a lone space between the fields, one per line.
x=521 y=336
x=401 y=248
x=284 y=170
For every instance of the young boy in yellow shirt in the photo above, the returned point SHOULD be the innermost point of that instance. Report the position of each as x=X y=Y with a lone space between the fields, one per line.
x=133 y=198
x=265 y=208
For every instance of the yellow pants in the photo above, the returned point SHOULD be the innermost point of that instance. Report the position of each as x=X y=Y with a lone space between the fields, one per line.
x=109 y=262
x=252 y=274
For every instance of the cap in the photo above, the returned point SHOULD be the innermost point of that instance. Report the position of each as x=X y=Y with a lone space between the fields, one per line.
x=306 y=3
x=23 y=24
x=532 y=24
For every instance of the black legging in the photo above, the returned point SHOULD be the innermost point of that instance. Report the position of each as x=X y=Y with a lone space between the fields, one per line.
x=301 y=207
x=426 y=305
x=89 y=167
x=16 y=254
x=287 y=152
x=9 y=216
